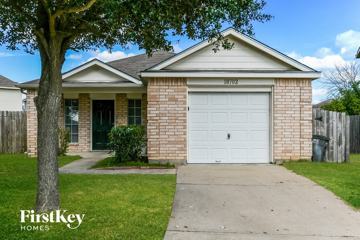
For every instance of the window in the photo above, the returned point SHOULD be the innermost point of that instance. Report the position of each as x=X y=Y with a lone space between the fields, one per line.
x=134 y=112
x=72 y=119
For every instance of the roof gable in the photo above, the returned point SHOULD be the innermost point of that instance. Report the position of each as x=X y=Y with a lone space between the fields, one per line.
x=7 y=83
x=247 y=54
x=97 y=71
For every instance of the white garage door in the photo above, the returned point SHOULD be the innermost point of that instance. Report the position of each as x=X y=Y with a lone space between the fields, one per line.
x=229 y=128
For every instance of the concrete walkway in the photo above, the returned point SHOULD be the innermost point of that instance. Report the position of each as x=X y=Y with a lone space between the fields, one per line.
x=215 y=202
x=89 y=159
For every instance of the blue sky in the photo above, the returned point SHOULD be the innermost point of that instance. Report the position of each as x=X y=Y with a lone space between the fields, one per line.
x=320 y=33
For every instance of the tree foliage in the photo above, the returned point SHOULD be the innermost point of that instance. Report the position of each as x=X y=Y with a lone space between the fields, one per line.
x=344 y=87
x=85 y=24
x=52 y=27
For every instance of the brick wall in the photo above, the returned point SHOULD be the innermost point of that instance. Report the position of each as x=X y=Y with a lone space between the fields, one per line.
x=31 y=121
x=166 y=116
x=292 y=119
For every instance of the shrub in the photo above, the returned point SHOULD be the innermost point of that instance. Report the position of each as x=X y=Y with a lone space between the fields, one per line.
x=64 y=139
x=127 y=142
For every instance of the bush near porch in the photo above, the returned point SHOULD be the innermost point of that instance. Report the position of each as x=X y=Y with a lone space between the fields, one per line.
x=342 y=179
x=127 y=142
x=116 y=206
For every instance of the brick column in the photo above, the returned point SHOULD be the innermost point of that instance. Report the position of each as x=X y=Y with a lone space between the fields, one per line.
x=121 y=112
x=167 y=123
x=144 y=110
x=292 y=119
x=31 y=122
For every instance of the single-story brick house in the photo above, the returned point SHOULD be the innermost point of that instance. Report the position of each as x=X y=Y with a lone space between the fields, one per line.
x=250 y=104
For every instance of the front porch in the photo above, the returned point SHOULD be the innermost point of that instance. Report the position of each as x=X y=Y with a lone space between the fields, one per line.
x=89 y=116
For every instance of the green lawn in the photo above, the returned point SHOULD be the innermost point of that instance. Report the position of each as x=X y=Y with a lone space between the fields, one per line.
x=110 y=162
x=116 y=206
x=342 y=179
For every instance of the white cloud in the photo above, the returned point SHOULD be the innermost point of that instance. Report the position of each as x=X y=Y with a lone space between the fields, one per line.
x=6 y=54
x=75 y=56
x=323 y=59
x=323 y=52
x=107 y=56
x=319 y=92
x=348 y=42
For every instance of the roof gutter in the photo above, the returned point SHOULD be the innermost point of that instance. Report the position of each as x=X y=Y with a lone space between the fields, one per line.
x=231 y=74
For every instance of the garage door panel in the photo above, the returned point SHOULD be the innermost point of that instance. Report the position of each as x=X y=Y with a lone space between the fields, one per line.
x=199 y=99
x=219 y=117
x=238 y=155
x=219 y=99
x=199 y=117
x=219 y=155
x=245 y=116
x=200 y=154
x=258 y=99
x=216 y=136
x=239 y=136
x=240 y=100
x=239 y=117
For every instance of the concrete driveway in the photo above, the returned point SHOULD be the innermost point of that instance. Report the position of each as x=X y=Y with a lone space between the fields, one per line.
x=256 y=202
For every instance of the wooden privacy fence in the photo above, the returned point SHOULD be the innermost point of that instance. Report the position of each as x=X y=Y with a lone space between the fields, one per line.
x=12 y=132
x=336 y=127
x=355 y=134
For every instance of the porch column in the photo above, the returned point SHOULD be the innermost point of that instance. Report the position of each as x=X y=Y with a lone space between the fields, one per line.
x=121 y=111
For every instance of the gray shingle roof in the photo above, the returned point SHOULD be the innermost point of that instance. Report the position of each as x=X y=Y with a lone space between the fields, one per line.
x=131 y=65
x=134 y=65
x=5 y=82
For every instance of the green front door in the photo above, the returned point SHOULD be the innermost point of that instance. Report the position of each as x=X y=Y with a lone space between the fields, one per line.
x=102 y=122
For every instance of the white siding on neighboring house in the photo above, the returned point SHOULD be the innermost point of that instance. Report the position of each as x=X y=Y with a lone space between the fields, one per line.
x=240 y=57
x=10 y=99
x=94 y=74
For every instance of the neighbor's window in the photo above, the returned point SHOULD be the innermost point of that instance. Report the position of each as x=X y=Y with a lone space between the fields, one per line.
x=134 y=112
x=72 y=119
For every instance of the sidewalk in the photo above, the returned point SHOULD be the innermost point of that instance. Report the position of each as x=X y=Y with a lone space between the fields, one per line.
x=89 y=159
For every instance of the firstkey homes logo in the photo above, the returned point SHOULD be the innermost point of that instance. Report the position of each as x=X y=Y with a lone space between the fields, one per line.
x=29 y=217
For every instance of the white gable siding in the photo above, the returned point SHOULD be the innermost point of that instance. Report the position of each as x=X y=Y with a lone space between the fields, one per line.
x=240 y=57
x=94 y=74
x=10 y=100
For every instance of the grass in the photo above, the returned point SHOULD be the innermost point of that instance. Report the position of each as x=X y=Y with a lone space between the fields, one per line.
x=110 y=162
x=342 y=179
x=115 y=206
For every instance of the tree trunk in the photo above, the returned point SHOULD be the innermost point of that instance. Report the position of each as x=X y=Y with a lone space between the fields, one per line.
x=48 y=104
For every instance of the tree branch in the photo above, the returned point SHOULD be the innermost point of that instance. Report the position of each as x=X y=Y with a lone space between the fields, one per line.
x=75 y=9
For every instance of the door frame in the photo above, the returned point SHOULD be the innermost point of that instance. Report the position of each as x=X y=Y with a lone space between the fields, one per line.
x=261 y=88
x=99 y=97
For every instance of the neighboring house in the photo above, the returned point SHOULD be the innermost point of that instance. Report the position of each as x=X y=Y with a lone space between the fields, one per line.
x=250 y=104
x=320 y=104
x=10 y=95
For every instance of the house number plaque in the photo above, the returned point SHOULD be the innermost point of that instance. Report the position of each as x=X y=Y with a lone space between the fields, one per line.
x=231 y=82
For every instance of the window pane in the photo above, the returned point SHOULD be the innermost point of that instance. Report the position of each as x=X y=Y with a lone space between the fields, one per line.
x=74 y=129
x=138 y=121
x=137 y=112
x=72 y=118
x=138 y=103
x=130 y=120
x=74 y=138
x=131 y=103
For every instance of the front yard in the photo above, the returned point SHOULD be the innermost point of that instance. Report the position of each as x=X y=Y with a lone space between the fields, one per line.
x=116 y=206
x=342 y=179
